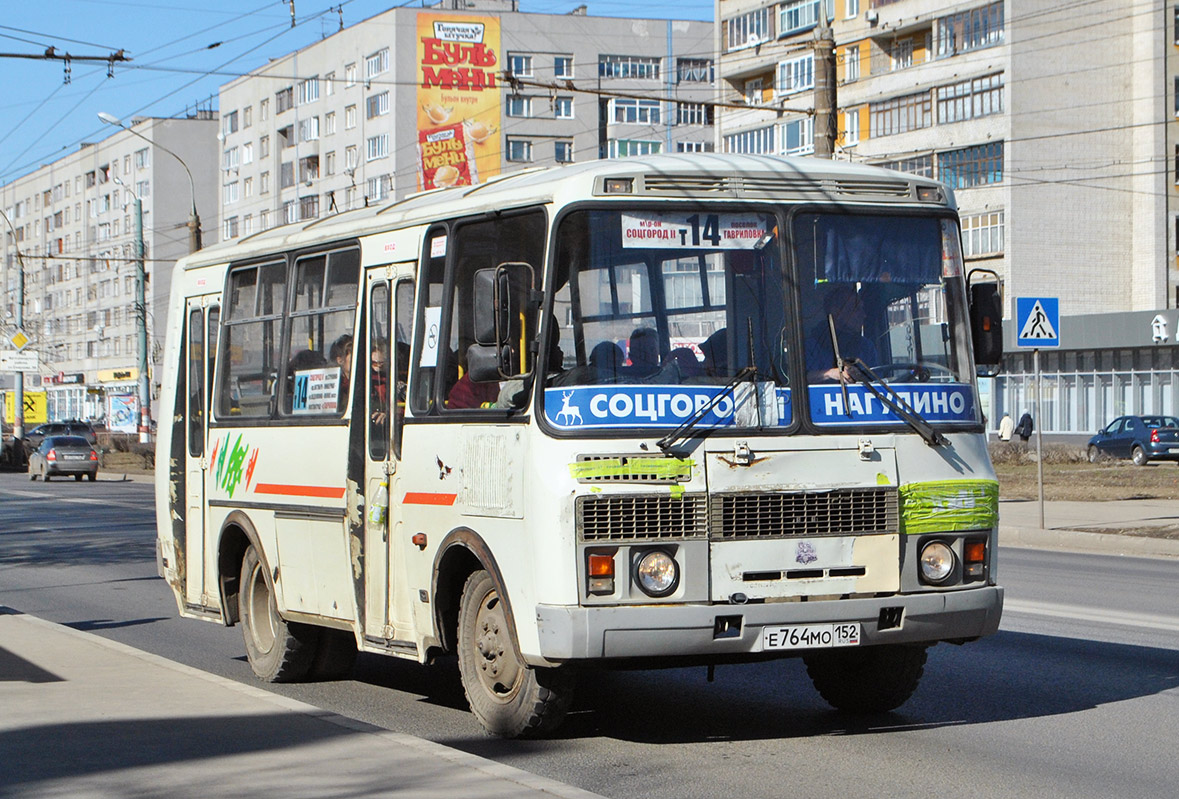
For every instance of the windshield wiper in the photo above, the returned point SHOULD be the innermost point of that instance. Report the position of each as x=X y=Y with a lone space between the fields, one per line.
x=889 y=397
x=898 y=404
x=681 y=432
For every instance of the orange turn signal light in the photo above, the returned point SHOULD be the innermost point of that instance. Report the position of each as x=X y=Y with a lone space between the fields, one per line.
x=601 y=565
x=975 y=551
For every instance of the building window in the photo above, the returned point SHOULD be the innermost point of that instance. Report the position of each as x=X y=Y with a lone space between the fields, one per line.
x=309 y=207
x=851 y=9
x=901 y=54
x=350 y=117
x=350 y=157
x=247 y=187
x=693 y=114
x=851 y=127
x=563 y=108
x=290 y=211
x=377 y=105
x=264 y=183
x=248 y=116
x=753 y=91
x=625 y=66
x=519 y=106
x=378 y=188
x=519 y=150
x=520 y=66
x=329 y=163
x=377 y=147
x=563 y=152
x=264 y=147
x=376 y=63
x=329 y=84
x=563 y=66
x=248 y=153
x=693 y=70
x=264 y=109
x=755 y=142
x=799 y=136
x=309 y=129
x=247 y=224
x=982 y=234
x=693 y=147
x=900 y=114
x=851 y=63
x=625 y=148
x=797 y=16
x=638 y=111
x=232 y=192
x=229 y=123
x=284 y=100
x=971 y=166
x=231 y=161
x=286 y=175
x=308 y=168
x=969 y=30
x=309 y=90
x=796 y=75
x=329 y=123
x=142 y=159
x=970 y=98
x=231 y=228
x=349 y=75
x=748 y=29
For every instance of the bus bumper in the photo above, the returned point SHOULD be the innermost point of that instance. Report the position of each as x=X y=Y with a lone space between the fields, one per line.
x=581 y=633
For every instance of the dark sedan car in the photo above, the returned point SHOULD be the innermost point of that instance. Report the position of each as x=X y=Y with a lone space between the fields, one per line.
x=1140 y=438
x=71 y=427
x=59 y=456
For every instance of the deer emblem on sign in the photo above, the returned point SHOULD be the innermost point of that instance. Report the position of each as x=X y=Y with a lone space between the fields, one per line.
x=569 y=412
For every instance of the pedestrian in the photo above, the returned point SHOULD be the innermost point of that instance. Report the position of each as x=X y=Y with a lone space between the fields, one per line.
x=1025 y=427
x=1006 y=427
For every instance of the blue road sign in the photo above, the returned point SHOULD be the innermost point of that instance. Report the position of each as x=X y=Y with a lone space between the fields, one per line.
x=1037 y=322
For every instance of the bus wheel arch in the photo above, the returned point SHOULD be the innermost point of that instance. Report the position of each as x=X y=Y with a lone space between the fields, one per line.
x=237 y=535
x=462 y=553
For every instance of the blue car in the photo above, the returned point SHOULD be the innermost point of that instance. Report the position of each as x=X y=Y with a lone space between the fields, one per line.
x=1142 y=439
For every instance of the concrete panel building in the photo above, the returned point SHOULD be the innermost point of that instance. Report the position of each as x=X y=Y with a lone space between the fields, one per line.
x=73 y=222
x=417 y=98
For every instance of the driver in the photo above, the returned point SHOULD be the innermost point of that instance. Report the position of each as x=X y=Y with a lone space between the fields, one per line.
x=845 y=307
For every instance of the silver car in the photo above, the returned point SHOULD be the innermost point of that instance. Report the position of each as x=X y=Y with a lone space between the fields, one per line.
x=58 y=456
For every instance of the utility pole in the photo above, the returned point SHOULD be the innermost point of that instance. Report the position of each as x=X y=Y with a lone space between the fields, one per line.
x=141 y=326
x=826 y=105
x=18 y=393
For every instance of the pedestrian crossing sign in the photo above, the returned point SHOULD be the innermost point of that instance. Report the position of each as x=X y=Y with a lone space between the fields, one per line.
x=1037 y=320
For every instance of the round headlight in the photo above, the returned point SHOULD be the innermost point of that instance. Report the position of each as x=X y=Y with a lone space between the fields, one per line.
x=657 y=573
x=937 y=562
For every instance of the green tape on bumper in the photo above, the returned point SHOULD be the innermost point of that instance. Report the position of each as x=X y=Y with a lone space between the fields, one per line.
x=636 y=468
x=949 y=506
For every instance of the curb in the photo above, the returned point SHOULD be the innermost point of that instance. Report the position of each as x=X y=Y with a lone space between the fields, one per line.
x=1081 y=541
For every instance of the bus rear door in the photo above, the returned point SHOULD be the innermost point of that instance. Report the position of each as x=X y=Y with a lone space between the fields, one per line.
x=203 y=318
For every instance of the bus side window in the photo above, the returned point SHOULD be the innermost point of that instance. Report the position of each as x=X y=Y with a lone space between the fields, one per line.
x=256 y=296
x=196 y=383
x=378 y=373
x=428 y=343
x=403 y=313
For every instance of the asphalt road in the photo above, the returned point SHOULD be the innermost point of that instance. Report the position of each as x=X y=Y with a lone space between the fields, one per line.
x=1077 y=696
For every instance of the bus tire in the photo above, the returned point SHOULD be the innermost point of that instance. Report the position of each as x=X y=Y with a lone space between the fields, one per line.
x=278 y=651
x=873 y=679
x=509 y=698
x=335 y=655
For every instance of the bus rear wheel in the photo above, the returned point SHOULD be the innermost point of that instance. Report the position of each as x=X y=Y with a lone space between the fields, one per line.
x=510 y=698
x=873 y=679
x=278 y=651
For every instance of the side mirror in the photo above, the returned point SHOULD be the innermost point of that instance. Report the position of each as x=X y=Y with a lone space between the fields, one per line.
x=501 y=299
x=986 y=322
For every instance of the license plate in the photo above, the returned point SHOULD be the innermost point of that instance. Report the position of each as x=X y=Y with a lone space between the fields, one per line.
x=69 y=457
x=811 y=636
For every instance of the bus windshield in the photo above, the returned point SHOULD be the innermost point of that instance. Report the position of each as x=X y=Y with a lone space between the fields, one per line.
x=666 y=315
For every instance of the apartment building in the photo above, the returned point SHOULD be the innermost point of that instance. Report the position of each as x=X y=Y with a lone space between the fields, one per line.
x=414 y=98
x=73 y=221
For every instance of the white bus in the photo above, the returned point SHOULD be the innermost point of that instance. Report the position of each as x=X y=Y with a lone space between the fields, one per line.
x=649 y=412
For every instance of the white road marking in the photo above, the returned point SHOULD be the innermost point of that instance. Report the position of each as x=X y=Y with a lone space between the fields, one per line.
x=1146 y=621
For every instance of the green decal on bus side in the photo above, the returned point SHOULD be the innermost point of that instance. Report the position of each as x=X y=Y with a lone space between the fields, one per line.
x=949 y=506
x=635 y=468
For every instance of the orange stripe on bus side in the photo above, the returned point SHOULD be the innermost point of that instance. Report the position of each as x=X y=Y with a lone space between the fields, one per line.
x=327 y=492
x=425 y=498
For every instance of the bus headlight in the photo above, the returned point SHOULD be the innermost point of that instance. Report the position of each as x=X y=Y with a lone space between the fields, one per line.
x=657 y=573
x=937 y=562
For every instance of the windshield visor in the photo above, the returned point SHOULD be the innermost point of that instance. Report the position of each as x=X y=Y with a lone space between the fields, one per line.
x=883 y=303
x=659 y=311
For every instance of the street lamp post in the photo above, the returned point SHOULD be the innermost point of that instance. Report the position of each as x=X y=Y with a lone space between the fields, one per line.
x=18 y=394
x=141 y=320
x=194 y=220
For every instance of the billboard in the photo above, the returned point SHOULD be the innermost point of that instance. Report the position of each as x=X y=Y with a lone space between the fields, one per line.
x=35 y=405
x=459 y=61
x=122 y=413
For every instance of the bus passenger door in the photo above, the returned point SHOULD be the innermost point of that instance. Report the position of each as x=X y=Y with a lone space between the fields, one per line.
x=384 y=362
x=203 y=318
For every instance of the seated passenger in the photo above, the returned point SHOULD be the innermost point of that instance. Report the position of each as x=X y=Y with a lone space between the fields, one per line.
x=466 y=393
x=716 y=354
x=846 y=310
x=604 y=359
x=680 y=365
x=643 y=352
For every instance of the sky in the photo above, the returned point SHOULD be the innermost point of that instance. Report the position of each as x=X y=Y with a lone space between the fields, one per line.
x=180 y=51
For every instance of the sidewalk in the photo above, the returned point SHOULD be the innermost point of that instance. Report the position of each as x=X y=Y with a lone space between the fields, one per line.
x=87 y=717
x=1091 y=526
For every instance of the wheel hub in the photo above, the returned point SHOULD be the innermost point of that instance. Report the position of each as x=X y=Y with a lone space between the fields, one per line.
x=498 y=669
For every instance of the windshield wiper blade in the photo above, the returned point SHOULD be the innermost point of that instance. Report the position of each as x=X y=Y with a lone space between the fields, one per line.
x=681 y=432
x=896 y=403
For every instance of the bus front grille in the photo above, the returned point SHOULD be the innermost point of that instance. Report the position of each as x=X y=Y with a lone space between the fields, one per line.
x=857 y=511
x=631 y=517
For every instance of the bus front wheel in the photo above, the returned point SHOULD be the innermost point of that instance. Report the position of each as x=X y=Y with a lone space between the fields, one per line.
x=278 y=651
x=510 y=698
x=873 y=679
